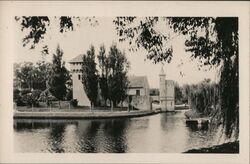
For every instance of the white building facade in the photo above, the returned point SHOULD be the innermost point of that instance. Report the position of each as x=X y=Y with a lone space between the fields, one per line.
x=167 y=94
x=78 y=90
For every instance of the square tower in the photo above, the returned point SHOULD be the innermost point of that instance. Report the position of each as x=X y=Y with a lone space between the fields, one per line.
x=166 y=96
x=78 y=90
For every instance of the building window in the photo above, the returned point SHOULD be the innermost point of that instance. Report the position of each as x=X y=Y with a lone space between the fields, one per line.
x=138 y=92
x=171 y=103
x=79 y=77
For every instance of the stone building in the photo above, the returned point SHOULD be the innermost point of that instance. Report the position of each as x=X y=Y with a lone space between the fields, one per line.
x=138 y=85
x=167 y=95
x=78 y=90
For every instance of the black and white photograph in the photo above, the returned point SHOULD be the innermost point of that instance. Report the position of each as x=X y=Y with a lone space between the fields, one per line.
x=127 y=84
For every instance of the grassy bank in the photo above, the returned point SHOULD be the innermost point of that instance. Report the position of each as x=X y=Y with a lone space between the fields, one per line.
x=231 y=147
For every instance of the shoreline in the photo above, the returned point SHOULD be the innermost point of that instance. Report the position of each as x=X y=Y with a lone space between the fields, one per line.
x=83 y=115
x=226 y=148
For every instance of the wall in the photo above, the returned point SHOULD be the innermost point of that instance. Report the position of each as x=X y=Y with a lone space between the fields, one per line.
x=141 y=102
x=132 y=91
x=78 y=90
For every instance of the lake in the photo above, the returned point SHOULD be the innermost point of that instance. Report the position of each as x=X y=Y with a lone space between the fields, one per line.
x=160 y=133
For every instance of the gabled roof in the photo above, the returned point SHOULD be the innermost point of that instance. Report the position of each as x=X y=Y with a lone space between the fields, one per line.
x=77 y=59
x=138 y=81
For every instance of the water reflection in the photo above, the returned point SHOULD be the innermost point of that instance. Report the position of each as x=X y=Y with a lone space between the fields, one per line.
x=166 y=132
x=56 y=137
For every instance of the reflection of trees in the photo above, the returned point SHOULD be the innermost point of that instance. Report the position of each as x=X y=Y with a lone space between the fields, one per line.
x=56 y=137
x=115 y=131
x=102 y=136
x=87 y=136
x=29 y=125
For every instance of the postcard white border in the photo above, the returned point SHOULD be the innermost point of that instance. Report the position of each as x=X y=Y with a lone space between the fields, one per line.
x=105 y=9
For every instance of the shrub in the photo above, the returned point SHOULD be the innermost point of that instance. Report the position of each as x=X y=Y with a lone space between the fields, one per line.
x=31 y=98
x=17 y=97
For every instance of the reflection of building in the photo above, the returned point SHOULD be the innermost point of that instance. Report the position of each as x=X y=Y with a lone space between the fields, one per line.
x=167 y=96
x=78 y=90
x=138 y=85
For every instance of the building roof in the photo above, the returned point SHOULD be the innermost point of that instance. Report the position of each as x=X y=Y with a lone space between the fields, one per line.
x=138 y=81
x=77 y=59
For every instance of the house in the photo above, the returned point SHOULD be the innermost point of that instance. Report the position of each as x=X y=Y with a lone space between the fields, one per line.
x=138 y=85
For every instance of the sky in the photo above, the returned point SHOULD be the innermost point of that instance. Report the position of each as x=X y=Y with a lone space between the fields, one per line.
x=181 y=69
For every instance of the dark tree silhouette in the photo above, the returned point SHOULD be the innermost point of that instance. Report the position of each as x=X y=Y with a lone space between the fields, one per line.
x=89 y=76
x=103 y=80
x=117 y=76
x=58 y=77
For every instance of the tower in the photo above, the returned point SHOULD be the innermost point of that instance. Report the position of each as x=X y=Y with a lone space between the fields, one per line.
x=162 y=89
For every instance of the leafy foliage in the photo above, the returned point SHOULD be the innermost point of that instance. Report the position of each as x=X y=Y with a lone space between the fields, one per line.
x=59 y=76
x=203 y=97
x=103 y=79
x=117 y=76
x=89 y=75
x=36 y=27
x=32 y=76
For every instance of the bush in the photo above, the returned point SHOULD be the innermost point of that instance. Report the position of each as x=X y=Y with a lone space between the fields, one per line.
x=74 y=102
x=31 y=98
x=17 y=97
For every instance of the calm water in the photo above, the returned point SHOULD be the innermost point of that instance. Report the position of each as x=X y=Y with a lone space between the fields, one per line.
x=162 y=133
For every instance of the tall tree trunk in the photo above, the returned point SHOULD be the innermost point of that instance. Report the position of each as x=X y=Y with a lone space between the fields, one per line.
x=59 y=104
x=92 y=106
x=112 y=106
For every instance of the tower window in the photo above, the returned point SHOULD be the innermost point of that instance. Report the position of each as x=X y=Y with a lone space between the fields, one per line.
x=138 y=92
x=79 y=77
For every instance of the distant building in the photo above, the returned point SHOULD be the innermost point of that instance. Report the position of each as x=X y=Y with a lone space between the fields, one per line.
x=138 y=85
x=166 y=97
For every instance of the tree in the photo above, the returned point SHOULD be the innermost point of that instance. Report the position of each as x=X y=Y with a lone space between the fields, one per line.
x=89 y=76
x=117 y=78
x=23 y=75
x=178 y=94
x=59 y=76
x=214 y=41
x=103 y=80
x=32 y=76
